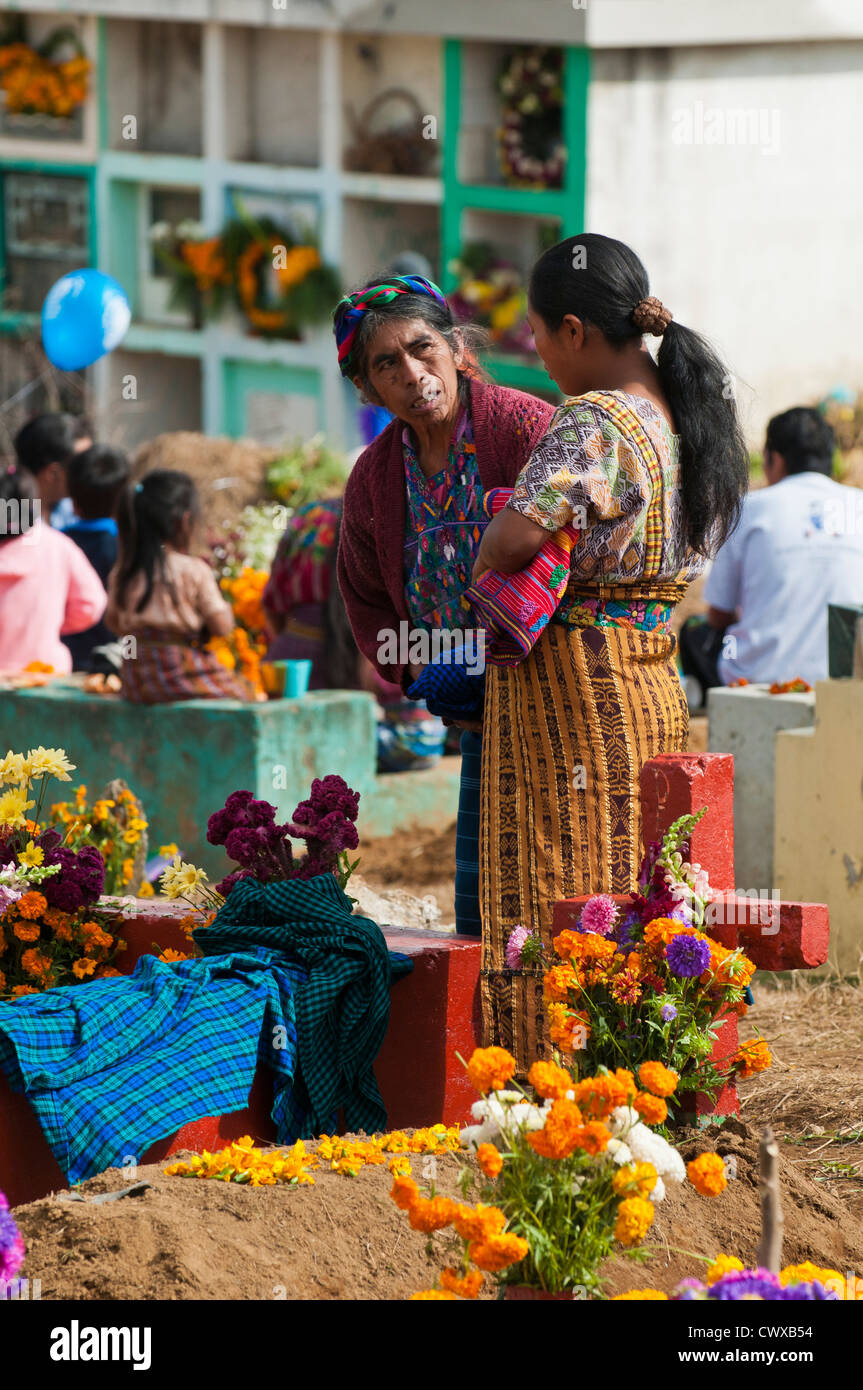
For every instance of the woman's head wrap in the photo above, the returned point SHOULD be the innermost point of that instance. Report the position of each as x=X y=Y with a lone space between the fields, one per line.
x=349 y=311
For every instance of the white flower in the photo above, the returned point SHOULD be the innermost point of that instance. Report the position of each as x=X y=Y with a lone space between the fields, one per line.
x=620 y=1152
x=159 y=231
x=648 y=1147
x=621 y=1120
x=658 y=1193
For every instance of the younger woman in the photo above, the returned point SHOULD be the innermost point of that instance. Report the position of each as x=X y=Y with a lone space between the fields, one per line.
x=48 y=588
x=167 y=599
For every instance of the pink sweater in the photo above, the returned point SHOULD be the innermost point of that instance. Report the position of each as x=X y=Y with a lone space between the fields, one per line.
x=47 y=588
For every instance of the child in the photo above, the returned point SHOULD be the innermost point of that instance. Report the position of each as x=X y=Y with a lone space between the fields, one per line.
x=44 y=447
x=47 y=585
x=96 y=477
x=167 y=599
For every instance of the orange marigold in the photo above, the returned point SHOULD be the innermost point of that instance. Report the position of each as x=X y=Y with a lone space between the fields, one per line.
x=568 y=1031
x=558 y=1136
x=54 y=918
x=634 y=1219
x=24 y=989
x=566 y=943
x=599 y=1095
x=496 y=1252
x=659 y=932
x=404 y=1192
x=752 y=1056
x=627 y=1081
x=433 y=1296
x=83 y=967
x=558 y=981
x=479 y=1223
x=652 y=1109
x=592 y=1138
x=489 y=1159
x=431 y=1214
x=658 y=1079
x=27 y=931
x=490 y=1068
x=641 y=1177
x=31 y=905
x=35 y=964
x=465 y=1286
x=707 y=1174
x=550 y=1081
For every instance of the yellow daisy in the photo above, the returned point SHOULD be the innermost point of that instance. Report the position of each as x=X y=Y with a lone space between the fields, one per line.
x=32 y=855
x=50 y=762
x=13 y=805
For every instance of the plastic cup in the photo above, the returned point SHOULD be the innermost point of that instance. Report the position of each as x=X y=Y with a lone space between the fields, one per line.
x=297 y=675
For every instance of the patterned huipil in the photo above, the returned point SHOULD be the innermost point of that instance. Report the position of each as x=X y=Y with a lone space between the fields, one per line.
x=605 y=458
x=444 y=526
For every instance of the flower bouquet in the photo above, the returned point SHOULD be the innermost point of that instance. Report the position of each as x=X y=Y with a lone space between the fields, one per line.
x=647 y=984
x=567 y=1172
x=306 y=472
x=115 y=825
x=48 y=932
x=490 y=292
x=726 y=1280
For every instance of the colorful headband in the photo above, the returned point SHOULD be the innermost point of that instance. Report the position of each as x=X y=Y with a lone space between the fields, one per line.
x=349 y=311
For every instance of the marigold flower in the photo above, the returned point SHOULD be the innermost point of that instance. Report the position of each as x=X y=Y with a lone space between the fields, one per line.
x=648 y=1295
x=806 y=1272
x=146 y=890
x=592 y=1138
x=550 y=1081
x=489 y=1160
x=659 y=932
x=83 y=967
x=465 y=1286
x=752 y=1056
x=27 y=931
x=31 y=905
x=498 y=1251
x=404 y=1192
x=707 y=1174
x=641 y=1177
x=478 y=1223
x=400 y=1166
x=599 y=1095
x=627 y=1081
x=634 y=1219
x=490 y=1068
x=658 y=1079
x=433 y=1295
x=722 y=1265
x=18 y=990
x=170 y=957
x=558 y=981
x=558 y=1137
x=652 y=1109
x=431 y=1214
x=566 y=943
x=568 y=1031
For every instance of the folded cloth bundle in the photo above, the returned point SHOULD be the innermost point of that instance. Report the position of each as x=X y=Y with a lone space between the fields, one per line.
x=515 y=608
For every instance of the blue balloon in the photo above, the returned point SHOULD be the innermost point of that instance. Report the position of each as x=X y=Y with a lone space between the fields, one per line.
x=85 y=315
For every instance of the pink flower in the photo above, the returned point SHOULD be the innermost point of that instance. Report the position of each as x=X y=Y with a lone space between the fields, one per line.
x=598 y=915
x=514 y=947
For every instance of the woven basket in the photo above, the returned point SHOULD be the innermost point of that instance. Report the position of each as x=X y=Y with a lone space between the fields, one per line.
x=398 y=148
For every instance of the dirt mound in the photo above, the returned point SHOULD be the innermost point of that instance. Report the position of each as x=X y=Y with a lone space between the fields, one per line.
x=230 y=473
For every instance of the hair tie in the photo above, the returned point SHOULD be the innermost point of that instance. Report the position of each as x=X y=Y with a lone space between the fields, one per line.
x=12 y=467
x=651 y=316
x=139 y=487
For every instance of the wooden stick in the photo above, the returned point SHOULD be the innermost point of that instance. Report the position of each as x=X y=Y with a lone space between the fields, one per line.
x=770 y=1249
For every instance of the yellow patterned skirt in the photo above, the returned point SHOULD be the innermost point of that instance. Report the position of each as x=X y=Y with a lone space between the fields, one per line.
x=565 y=736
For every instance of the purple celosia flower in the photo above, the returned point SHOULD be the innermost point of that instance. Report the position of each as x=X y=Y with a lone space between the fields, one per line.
x=667 y=1013
x=81 y=877
x=514 y=947
x=598 y=915
x=687 y=956
x=12 y=1248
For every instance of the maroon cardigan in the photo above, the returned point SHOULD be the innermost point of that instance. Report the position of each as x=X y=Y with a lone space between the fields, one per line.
x=507 y=425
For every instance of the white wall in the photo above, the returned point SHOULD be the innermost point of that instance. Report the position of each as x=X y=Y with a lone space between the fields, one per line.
x=757 y=246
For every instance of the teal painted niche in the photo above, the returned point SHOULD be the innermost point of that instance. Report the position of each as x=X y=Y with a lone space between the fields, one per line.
x=240 y=378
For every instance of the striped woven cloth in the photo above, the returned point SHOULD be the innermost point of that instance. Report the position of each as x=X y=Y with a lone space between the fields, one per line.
x=515 y=608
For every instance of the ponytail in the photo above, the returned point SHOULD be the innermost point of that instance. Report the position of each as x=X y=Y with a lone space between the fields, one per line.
x=149 y=515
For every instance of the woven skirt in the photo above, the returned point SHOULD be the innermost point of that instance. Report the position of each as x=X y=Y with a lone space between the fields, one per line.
x=162 y=671
x=565 y=736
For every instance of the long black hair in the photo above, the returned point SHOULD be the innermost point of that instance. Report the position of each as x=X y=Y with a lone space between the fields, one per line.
x=149 y=515
x=20 y=507
x=601 y=281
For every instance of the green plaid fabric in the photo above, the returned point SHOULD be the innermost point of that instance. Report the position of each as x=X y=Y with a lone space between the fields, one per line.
x=342 y=1007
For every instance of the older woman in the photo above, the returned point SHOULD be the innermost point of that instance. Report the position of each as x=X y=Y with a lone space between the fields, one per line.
x=413 y=506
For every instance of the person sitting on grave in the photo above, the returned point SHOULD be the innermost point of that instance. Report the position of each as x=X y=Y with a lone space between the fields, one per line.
x=45 y=446
x=96 y=477
x=165 y=603
x=798 y=548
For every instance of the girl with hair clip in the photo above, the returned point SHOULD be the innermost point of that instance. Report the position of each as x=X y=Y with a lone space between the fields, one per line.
x=646 y=461
x=167 y=599
x=48 y=588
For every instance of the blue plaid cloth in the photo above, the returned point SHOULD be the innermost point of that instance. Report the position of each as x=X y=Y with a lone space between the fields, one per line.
x=467 y=915
x=111 y=1066
x=450 y=691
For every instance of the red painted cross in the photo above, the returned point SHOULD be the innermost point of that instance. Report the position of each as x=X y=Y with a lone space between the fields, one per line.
x=775 y=935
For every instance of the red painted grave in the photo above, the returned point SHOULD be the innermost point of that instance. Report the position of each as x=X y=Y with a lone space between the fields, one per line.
x=775 y=936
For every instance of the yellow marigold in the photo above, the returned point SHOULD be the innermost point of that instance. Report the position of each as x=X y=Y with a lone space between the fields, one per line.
x=640 y=1176
x=400 y=1165
x=807 y=1271
x=648 y=1295
x=722 y=1265
x=489 y=1159
x=433 y=1296
x=599 y=1095
x=431 y=1214
x=490 y=1068
x=634 y=1219
x=558 y=1137
x=27 y=931
x=478 y=1223
x=146 y=890
x=128 y=870
x=497 y=1252
x=404 y=1192
x=592 y=1138
x=31 y=905
x=752 y=1056
x=707 y=1174
x=652 y=1109
x=168 y=851
x=83 y=967
x=658 y=1079
x=465 y=1286
x=106 y=972
x=550 y=1081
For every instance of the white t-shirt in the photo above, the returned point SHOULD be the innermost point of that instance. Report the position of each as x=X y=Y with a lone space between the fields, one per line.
x=798 y=547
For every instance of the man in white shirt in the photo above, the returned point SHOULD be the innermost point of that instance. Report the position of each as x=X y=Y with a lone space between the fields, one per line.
x=798 y=547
